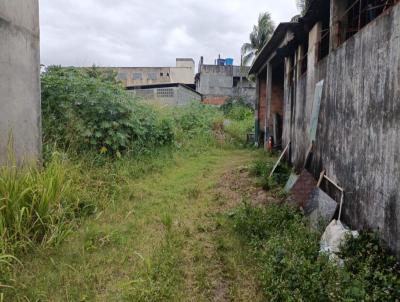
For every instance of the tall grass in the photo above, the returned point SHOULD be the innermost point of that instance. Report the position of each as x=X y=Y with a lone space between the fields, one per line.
x=36 y=206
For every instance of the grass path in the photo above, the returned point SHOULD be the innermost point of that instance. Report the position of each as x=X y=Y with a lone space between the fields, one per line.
x=166 y=238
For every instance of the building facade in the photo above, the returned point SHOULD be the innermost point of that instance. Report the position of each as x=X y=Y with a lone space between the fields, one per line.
x=330 y=84
x=219 y=82
x=166 y=94
x=20 y=112
x=183 y=73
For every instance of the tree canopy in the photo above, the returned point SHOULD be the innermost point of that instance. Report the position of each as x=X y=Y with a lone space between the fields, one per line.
x=260 y=35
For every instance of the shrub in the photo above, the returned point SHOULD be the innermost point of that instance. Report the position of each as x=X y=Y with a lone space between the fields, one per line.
x=239 y=122
x=237 y=107
x=86 y=109
x=262 y=169
x=294 y=270
x=378 y=272
x=195 y=117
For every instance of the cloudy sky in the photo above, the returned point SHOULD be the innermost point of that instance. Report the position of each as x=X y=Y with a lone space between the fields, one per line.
x=149 y=32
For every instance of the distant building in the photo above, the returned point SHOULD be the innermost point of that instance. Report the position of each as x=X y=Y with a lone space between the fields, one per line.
x=219 y=81
x=166 y=94
x=183 y=73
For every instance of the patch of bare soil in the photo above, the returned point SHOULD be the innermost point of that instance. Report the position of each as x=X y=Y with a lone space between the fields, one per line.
x=236 y=186
x=215 y=271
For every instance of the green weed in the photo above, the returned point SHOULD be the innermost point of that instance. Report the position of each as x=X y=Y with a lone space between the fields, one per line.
x=262 y=169
x=36 y=205
x=163 y=276
x=293 y=270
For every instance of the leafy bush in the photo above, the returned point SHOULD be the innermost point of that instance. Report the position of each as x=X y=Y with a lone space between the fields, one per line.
x=195 y=117
x=239 y=122
x=86 y=109
x=238 y=130
x=237 y=107
x=378 y=272
x=263 y=168
x=293 y=269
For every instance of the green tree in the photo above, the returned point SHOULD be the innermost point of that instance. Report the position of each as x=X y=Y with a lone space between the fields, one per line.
x=260 y=35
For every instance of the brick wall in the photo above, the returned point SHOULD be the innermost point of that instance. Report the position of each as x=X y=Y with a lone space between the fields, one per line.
x=276 y=103
x=219 y=100
x=261 y=102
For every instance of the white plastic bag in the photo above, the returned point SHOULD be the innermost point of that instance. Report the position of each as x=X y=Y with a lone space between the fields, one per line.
x=333 y=237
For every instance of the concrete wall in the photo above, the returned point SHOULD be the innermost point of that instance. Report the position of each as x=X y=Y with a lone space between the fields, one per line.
x=184 y=75
x=183 y=72
x=298 y=109
x=358 y=137
x=216 y=80
x=186 y=96
x=171 y=96
x=20 y=112
x=217 y=83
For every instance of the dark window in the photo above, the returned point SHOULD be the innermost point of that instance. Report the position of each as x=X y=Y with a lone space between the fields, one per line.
x=152 y=76
x=136 y=76
x=359 y=13
x=236 y=81
x=122 y=76
x=304 y=59
x=323 y=44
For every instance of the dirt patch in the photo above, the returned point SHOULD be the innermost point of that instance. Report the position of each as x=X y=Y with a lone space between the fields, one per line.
x=236 y=186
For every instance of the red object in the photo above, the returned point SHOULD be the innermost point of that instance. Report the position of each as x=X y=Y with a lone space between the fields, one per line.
x=270 y=144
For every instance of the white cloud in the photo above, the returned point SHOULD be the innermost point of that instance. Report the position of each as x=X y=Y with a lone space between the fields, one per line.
x=149 y=33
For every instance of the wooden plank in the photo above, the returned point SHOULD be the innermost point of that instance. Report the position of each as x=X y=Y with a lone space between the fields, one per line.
x=279 y=159
x=333 y=183
x=321 y=177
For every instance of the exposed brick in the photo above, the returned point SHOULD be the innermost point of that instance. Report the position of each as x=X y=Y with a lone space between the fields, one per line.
x=220 y=100
x=276 y=103
x=261 y=102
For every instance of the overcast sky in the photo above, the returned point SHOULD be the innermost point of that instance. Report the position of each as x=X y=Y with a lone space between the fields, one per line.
x=149 y=32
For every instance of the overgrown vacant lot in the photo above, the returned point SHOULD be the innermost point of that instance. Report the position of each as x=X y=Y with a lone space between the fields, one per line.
x=164 y=238
x=140 y=203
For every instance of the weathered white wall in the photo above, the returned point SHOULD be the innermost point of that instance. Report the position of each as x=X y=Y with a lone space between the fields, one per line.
x=171 y=96
x=19 y=79
x=358 y=136
x=183 y=72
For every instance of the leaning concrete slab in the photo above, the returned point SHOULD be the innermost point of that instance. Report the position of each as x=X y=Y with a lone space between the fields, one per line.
x=19 y=79
x=320 y=209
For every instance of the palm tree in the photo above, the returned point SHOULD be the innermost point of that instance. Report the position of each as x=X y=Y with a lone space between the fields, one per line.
x=260 y=35
x=302 y=5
